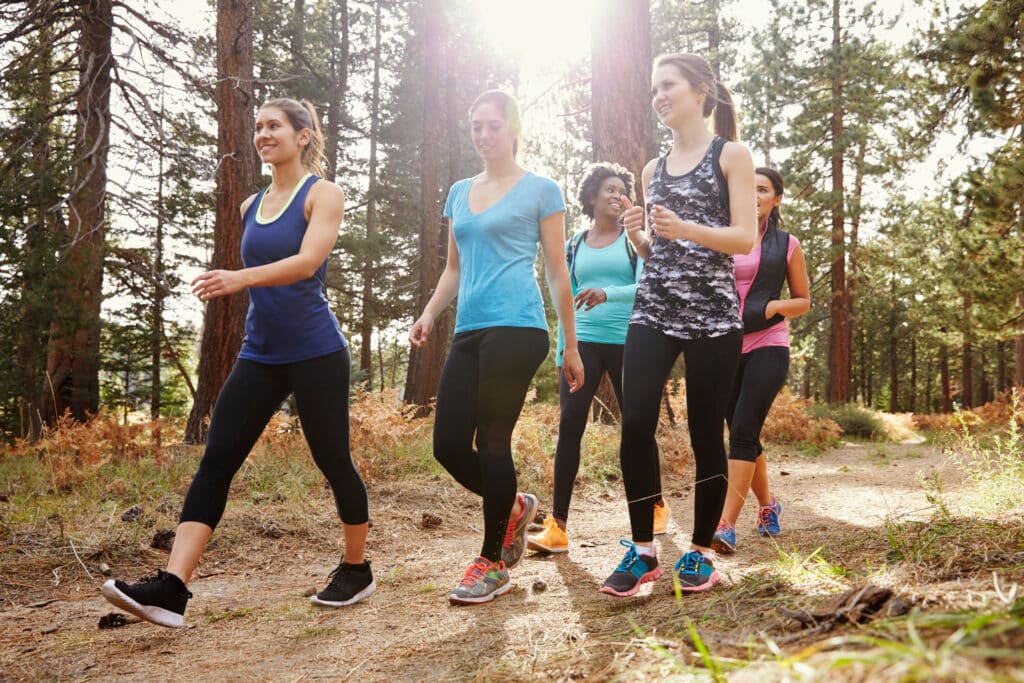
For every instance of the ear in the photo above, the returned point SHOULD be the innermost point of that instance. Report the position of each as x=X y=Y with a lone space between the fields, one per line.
x=305 y=135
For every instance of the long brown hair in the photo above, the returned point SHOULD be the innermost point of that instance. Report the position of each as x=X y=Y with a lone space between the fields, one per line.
x=302 y=116
x=697 y=71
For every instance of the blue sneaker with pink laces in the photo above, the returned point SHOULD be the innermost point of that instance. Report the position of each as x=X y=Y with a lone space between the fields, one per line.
x=768 y=519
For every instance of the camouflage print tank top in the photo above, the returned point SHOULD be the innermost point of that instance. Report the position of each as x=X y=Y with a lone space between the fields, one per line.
x=688 y=291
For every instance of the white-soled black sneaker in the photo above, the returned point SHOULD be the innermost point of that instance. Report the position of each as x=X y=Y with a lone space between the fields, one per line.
x=349 y=583
x=160 y=598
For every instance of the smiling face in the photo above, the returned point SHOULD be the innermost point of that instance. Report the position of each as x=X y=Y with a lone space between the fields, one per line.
x=766 y=197
x=491 y=134
x=673 y=97
x=276 y=139
x=607 y=202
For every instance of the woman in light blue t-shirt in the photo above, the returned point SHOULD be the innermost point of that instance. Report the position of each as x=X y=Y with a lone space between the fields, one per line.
x=501 y=337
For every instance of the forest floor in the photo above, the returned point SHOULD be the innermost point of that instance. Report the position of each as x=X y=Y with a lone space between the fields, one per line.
x=854 y=515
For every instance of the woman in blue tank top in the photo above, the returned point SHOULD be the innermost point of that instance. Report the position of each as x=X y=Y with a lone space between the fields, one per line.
x=700 y=211
x=293 y=344
x=501 y=337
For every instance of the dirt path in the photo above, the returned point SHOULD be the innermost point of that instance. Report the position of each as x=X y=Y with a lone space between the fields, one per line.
x=554 y=624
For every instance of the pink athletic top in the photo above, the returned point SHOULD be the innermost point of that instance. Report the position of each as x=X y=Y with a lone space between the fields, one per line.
x=746 y=269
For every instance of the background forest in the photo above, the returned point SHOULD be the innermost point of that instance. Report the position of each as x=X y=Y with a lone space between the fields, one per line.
x=125 y=150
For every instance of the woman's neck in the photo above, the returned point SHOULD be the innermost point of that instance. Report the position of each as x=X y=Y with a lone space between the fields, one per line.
x=502 y=168
x=605 y=225
x=690 y=134
x=286 y=176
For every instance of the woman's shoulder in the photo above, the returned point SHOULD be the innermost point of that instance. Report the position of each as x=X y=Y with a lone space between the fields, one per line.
x=541 y=181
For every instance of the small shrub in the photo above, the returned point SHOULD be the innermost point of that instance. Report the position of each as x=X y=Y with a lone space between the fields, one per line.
x=854 y=420
x=790 y=421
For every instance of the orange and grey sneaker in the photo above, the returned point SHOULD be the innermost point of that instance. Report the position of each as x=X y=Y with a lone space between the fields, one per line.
x=661 y=517
x=552 y=540
x=483 y=581
x=514 y=547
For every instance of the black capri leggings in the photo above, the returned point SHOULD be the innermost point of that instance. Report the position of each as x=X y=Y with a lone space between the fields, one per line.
x=481 y=393
x=759 y=378
x=575 y=409
x=710 y=367
x=250 y=396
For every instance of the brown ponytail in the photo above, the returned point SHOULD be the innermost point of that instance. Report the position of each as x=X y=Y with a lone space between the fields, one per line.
x=302 y=116
x=697 y=71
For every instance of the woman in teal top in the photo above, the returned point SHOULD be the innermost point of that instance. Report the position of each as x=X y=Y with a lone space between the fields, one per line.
x=603 y=269
x=501 y=337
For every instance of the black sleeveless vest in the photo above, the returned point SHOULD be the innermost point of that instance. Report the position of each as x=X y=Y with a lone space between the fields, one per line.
x=768 y=281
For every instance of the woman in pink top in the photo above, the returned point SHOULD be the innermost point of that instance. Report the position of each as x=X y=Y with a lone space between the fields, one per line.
x=764 y=363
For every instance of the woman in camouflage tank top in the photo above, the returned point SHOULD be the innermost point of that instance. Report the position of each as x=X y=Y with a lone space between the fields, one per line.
x=700 y=210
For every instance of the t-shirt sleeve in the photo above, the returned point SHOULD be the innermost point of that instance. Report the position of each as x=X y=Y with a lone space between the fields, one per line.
x=448 y=204
x=791 y=247
x=549 y=200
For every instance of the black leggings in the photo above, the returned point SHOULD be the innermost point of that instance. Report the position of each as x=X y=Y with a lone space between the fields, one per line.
x=481 y=393
x=250 y=396
x=710 y=366
x=759 y=378
x=575 y=409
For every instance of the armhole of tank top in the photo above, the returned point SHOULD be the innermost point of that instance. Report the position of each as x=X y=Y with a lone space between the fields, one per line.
x=716 y=164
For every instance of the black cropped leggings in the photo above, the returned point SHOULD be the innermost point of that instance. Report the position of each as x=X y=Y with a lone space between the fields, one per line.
x=481 y=393
x=575 y=411
x=710 y=366
x=759 y=378
x=250 y=396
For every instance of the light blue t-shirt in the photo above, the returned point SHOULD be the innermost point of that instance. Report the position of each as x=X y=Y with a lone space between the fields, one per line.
x=497 y=250
x=606 y=268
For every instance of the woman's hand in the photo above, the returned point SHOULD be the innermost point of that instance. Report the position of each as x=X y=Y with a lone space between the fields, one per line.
x=771 y=309
x=421 y=330
x=572 y=368
x=635 y=222
x=590 y=297
x=667 y=224
x=214 y=284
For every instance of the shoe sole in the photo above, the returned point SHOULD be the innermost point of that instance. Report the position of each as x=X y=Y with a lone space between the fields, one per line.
x=151 y=613
x=365 y=593
x=541 y=548
x=482 y=599
x=652 y=575
x=722 y=546
x=712 y=580
x=530 y=505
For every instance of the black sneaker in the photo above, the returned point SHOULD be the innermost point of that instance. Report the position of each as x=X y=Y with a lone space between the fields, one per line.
x=349 y=584
x=160 y=598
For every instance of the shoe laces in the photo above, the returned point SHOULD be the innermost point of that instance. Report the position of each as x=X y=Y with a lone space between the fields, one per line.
x=765 y=516
x=510 y=530
x=724 y=526
x=161 y=576
x=631 y=556
x=689 y=562
x=475 y=572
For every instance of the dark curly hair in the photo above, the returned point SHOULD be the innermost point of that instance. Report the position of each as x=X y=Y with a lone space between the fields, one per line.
x=597 y=174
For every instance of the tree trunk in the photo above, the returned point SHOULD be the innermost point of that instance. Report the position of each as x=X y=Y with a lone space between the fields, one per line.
x=912 y=393
x=1000 y=366
x=339 y=79
x=893 y=362
x=368 y=314
x=947 y=395
x=967 y=353
x=72 y=363
x=853 y=281
x=425 y=362
x=838 y=389
x=224 y=324
x=1018 y=345
x=622 y=130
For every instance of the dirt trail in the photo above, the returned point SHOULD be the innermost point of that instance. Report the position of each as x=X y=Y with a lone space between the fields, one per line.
x=554 y=624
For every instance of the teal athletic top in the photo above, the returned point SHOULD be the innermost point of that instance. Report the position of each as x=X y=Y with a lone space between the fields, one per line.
x=610 y=269
x=497 y=251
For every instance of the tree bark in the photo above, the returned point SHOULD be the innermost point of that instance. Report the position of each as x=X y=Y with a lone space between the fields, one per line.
x=224 y=324
x=368 y=315
x=838 y=389
x=72 y=364
x=622 y=129
x=947 y=396
x=425 y=362
x=967 y=354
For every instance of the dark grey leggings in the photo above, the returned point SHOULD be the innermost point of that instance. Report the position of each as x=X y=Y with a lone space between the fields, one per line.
x=710 y=366
x=250 y=396
x=481 y=393
x=759 y=378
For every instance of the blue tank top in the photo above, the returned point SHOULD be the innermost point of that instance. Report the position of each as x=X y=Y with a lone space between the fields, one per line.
x=285 y=323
